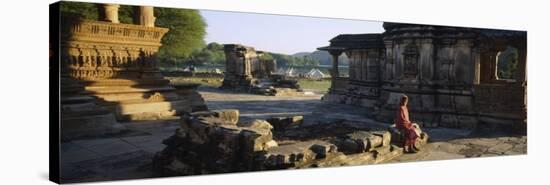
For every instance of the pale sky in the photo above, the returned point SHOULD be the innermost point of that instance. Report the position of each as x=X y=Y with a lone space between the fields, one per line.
x=279 y=33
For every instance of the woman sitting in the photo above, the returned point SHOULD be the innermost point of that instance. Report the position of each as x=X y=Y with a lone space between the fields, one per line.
x=406 y=127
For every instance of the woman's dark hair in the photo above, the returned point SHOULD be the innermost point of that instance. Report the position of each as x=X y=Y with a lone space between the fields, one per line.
x=404 y=99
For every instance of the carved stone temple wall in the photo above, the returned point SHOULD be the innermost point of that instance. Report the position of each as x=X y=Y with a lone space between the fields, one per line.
x=245 y=71
x=450 y=75
x=243 y=67
x=238 y=65
x=116 y=65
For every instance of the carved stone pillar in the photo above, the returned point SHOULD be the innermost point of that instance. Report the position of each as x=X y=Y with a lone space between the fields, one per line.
x=493 y=76
x=522 y=66
x=335 y=73
x=476 y=55
x=108 y=12
x=145 y=16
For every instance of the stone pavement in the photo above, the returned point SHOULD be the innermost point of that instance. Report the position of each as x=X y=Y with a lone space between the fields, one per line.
x=114 y=157
x=128 y=155
x=459 y=144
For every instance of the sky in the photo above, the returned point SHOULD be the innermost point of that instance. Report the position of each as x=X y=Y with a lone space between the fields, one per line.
x=279 y=33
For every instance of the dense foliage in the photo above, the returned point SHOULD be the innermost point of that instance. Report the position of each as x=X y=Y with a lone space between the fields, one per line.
x=211 y=55
x=507 y=63
x=290 y=60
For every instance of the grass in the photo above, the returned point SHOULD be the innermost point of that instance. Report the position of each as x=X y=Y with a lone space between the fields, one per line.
x=204 y=81
x=316 y=85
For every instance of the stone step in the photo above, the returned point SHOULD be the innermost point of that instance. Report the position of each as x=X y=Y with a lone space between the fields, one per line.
x=137 y=96
x=125 y=89
x=158 y=106
x=126 y=82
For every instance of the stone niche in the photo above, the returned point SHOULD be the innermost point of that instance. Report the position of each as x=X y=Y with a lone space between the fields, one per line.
x=217 y=141
x=245 y=71
x=115 y=66
x=449 y=73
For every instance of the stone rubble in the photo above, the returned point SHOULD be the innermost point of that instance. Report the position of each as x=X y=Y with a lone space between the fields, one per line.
x=216 y=142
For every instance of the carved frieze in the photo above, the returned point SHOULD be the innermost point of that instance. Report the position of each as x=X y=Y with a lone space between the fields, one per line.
x=94 y=49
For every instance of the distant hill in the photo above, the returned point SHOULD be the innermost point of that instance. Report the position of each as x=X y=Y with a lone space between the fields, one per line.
x=323 y=57
x=301 y=54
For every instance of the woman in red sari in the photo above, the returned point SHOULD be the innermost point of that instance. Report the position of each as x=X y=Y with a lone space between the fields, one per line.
x=404 y=125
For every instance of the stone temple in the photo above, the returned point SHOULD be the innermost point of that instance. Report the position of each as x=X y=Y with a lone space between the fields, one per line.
x=454 y=77
x=245 y=71
x=243 y=66
x=109 y=73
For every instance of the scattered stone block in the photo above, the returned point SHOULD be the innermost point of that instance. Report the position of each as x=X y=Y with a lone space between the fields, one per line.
x=271 y=144
x=282 y=123
x=258 y=124
x=385 y=135
x=255 y=139
x=358 y=142
x=321 y=150
x=293 y=155
x=229 y=116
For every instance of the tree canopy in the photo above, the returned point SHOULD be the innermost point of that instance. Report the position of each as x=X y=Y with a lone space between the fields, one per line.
x=289 y=60
x=212 y=54
x=187 y=31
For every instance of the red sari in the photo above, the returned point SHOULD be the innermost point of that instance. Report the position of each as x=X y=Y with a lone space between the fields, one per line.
x=403 y=123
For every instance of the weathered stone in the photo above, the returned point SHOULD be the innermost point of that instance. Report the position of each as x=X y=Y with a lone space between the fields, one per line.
x=271 y=144
x=282 y=123
x=126 y=80
x=258 y=124
x=397 y=136
x=381 y=151
x=449 y=74
x=255 y=139
x=291 y=155
x=245 y=71
x=209 y=145
x=385 y=135
x=500 y=148
x=85 y=118
x=227 y=116
x=322 y=150
x=360 y=141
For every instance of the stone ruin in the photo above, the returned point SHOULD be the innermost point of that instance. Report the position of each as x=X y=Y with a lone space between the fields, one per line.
x=245 y=71
x=217 y=141
x=109 y=73
x=449 y=73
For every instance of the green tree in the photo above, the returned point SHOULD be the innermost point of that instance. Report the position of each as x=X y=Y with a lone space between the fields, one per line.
x=80 y=9
x=214 y=46
x=187 y=31
x=266 y=56
x=211 y=55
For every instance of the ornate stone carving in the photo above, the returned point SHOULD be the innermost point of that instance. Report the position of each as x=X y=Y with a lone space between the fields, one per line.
x=94 y=49
x=410 y=61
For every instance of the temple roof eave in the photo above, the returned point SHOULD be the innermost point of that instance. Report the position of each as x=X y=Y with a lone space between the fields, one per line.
x=332 y=48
